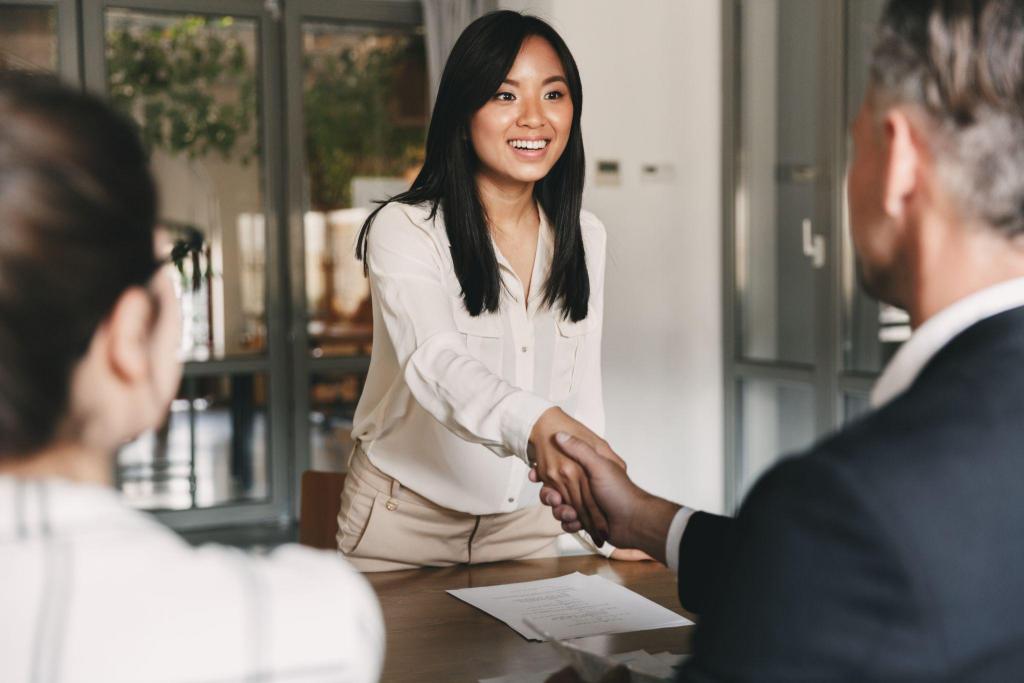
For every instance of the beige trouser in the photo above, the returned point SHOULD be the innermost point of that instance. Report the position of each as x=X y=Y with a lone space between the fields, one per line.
x=384 y=526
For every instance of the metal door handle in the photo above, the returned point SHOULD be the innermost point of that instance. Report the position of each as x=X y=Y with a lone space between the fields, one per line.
x=814 y=245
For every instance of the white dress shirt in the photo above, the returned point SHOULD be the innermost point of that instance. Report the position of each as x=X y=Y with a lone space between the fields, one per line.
x=911 y=358
x=451 y=399
x=92 y=590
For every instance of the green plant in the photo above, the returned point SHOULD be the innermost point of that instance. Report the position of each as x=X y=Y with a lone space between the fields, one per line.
x=189 y=84
x=352 y=124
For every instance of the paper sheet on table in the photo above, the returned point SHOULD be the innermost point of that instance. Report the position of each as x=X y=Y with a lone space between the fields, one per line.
x=570 y=606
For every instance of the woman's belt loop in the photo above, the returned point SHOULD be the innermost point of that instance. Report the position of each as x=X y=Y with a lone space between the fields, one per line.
x=396 y=489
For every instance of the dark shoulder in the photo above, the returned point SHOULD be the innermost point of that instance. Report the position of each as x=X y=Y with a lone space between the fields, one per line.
x=798 y=485
x=811 y=570
x=965 y=405
x=947 y=445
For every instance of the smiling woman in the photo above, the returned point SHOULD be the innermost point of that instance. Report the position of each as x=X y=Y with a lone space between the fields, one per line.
x=521 y=131
x=486 y=280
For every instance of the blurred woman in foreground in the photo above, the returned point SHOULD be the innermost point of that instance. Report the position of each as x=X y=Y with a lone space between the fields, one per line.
x=89 y=326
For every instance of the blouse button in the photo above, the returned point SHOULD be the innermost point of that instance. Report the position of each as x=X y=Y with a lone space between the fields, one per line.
x=391 y=506
x=524 y=349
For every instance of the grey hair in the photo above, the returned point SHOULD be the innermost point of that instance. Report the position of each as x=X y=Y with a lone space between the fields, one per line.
x=962 y=63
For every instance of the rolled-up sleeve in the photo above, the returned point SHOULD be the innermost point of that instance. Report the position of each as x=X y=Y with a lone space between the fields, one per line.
x=407 y=278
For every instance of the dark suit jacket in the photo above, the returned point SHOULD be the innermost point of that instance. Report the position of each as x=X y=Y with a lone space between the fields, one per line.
x=893 y=550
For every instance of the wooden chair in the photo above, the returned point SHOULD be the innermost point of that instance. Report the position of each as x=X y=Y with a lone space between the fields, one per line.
x=320 y=504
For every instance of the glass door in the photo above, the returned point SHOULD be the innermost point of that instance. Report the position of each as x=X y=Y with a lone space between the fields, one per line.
x=264 y=189
x=203 y=91
x=357 y=94
x=40 y=36
x=803 y=342
x=779 y=251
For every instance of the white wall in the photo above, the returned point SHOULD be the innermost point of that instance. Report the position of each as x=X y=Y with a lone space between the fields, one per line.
x=652 y=89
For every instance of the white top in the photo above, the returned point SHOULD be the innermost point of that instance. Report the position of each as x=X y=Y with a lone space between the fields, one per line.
x=92 y=590
x=451 y=399
x=926 y=341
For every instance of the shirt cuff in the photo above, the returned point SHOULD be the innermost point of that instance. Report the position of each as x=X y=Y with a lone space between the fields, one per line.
x=675 y=537
x=587 y=542
x=606 y=550
x=518 y=418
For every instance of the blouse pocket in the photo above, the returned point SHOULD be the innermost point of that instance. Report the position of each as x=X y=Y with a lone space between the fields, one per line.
x=569 y=357
x=483 y=336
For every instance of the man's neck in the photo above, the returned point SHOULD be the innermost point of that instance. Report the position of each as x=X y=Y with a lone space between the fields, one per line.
x=968 y=259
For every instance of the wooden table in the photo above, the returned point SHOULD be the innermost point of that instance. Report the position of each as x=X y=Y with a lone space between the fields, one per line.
x=435 y=638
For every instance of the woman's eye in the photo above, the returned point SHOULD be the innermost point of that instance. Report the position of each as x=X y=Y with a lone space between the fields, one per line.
x=554 y=95
x=504 y=97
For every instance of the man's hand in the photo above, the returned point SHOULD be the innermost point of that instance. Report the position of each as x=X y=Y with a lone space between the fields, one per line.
x=635 y=518
x=610 y=486
x=565 y=476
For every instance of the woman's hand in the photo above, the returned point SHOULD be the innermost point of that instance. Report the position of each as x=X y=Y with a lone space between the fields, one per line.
x=630 y=555
x=554 y=420
x=563 y=474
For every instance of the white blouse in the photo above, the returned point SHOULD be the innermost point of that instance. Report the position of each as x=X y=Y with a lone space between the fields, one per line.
x=451 y=399
x=92 y=590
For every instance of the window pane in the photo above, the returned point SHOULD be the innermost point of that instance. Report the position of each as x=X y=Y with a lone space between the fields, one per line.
x=155 y=470
x=192 y=84
x=28 y=38
x=333 y=399
x=365 y=109
x=212 y=449
x=775 y=419
x=780 y=175
x=872 y=332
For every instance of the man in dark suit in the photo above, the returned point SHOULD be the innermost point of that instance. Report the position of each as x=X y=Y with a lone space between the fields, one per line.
x=893 y=550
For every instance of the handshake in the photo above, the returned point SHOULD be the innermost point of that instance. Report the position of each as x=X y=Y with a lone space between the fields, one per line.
x=587 y=488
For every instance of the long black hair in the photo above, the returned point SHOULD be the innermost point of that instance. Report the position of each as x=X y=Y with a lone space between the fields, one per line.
x=476 y=67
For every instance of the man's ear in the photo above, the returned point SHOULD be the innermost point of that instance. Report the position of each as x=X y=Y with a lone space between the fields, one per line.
x=903 y=160
x=128 y=329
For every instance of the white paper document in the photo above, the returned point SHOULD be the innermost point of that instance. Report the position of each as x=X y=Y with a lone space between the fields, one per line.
x=570 y=606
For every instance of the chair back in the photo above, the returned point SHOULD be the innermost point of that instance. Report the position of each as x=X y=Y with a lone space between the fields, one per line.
x=320 y=504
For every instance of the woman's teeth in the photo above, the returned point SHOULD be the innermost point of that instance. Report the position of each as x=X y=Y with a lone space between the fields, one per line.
x=528 y=144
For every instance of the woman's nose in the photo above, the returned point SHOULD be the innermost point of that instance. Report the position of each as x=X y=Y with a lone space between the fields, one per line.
x=530 y=115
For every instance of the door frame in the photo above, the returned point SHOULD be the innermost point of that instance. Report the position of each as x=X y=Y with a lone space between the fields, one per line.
x=823 y=376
